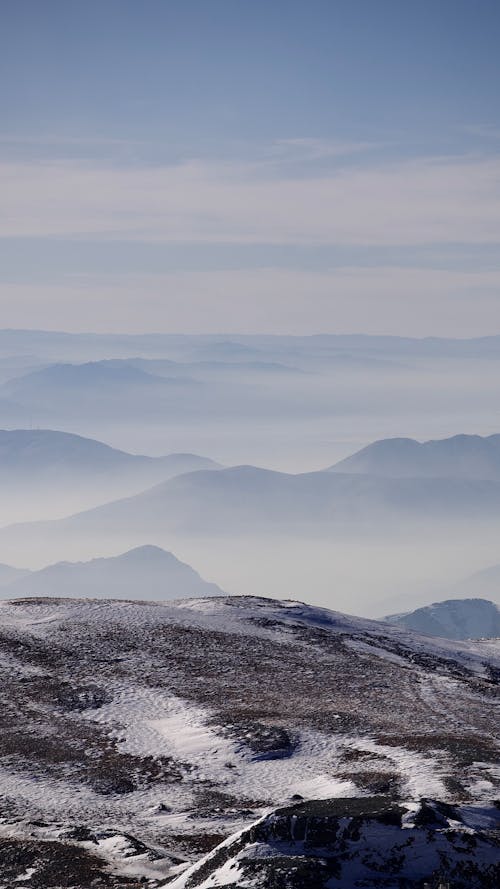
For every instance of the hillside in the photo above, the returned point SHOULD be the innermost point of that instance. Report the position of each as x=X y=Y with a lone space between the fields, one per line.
x=156 y=731
x=454 y=619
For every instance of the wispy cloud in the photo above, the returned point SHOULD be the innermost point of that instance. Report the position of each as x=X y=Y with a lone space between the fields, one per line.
x=410 y=207
x=422 y=201
x=310 y=149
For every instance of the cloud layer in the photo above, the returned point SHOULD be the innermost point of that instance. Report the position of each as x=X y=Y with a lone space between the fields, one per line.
x=300 y=195
x=413 y=202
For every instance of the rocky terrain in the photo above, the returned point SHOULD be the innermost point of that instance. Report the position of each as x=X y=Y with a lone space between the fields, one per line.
x=357 y=842
x=137 y=737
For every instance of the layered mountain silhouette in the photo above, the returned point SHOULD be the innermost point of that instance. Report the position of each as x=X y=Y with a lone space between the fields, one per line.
x=62 y=344
x=48 y=474
x=146 y=572
x=39 y=453
x=246 y=496
x=111 y=372
x=246 y=499
x=97 y=389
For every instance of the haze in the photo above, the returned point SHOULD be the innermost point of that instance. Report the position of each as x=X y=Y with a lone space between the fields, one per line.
x=260 y=236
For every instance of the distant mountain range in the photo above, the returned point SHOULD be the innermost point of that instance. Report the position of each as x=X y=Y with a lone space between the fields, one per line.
x=8 y=574
x=296 y=385
x=248 y=497
x=153 y=391
x=27 y=454
x=96 y=388
x=84 y=346
x=247 y=500
x=453 y=619
x=462 y=456
x=115 y=373
x=37 y=452
x=481 y=583
x=146 y=572
x=124 y=499
x=48 y=474
x=77 y=376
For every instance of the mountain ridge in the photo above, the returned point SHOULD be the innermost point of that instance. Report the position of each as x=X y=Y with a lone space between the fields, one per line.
x=463 y=456
x=48 y=473
x=145 y=571
x=51 y=445
x=266 y=497
x=453 y=619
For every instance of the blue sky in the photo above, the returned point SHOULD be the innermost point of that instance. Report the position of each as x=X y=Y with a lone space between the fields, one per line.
x=238 y=166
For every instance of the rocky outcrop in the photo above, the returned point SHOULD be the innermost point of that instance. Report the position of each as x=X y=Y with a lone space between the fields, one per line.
x=362 y=842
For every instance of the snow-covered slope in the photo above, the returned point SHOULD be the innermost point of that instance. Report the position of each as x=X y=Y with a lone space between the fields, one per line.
x=145 y=572
x=178 y=724
x=454 y=619
x=462 y=456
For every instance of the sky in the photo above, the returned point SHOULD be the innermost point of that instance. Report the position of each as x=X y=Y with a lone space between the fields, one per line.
x=236 y=166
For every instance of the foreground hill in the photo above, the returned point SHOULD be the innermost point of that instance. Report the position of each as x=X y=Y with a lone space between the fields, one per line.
x=462 y=456
x=144 y=572
x=151 y=732
x=454 y=619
